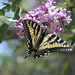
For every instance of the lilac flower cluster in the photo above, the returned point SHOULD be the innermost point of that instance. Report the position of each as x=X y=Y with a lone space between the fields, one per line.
x=48 y=17
x=19 y=28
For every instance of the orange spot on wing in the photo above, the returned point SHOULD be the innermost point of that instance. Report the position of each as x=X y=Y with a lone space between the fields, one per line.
x=33 y=52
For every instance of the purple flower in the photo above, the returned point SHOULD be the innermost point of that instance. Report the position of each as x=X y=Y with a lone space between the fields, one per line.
x=54 y=3
x=19 y=28
x=67 y=20
x=47 y=16
x=68 y=12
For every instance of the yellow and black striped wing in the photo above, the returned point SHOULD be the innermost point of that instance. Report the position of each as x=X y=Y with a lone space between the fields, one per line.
x=33 y=31
x=40 y=42
x=54 y=43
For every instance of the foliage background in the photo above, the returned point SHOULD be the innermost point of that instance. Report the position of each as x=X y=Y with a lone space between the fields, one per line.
x=13 y=48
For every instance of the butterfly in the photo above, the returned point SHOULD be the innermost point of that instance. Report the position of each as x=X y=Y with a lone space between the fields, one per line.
x=40 y=42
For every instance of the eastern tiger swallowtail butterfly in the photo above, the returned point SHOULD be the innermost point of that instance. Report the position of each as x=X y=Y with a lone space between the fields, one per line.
x=40 y=42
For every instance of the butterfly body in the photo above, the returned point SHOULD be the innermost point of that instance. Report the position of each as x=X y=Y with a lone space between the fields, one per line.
x=40 y=42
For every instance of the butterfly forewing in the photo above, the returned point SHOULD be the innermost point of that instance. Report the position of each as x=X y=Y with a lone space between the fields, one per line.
x=33 y=31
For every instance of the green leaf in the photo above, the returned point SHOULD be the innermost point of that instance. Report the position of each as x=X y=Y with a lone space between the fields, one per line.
x=3 y=30
x=7 y=7
x=68 y=1
x=73 y=40
x=64 y=68
x=2 y=12
x=17 y=12
x=72 y=0
x=3 y=19
x=16 y=2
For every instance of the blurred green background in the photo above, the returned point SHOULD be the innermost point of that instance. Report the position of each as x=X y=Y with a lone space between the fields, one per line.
x=13 y=48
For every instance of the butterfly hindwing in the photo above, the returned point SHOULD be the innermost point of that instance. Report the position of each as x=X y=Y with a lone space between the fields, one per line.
x=54 y=43
x=41 y=42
